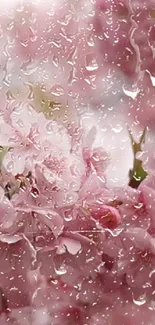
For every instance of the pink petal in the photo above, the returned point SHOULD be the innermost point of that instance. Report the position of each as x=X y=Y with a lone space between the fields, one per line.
x=72 y=246
x=53 y=220
x=141 y=239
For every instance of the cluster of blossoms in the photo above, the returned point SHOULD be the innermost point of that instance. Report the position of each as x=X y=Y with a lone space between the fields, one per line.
x=126 y=37
x=75 y=249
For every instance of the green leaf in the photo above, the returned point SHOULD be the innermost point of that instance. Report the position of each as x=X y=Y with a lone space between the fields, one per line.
x=137 y=174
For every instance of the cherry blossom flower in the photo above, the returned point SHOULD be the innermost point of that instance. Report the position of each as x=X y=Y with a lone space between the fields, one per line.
x=17 y=256
x=138 y=264
x=133 y=208
x=76 y=248
x=116 y=35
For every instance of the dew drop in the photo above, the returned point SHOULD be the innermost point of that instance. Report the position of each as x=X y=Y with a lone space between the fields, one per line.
x=117 y=129
x=131 y=93
x=68 y=215
x=10 y=166
x=152 y=274
x=49 y=127
x=90 y=41
x=55 y=61
x=24 y=43
x=34 y=192
x=9 y=95
x=57 y=91
x=141 y=300
x=20 y=123
x=61 y=270
x=10 y=26
x=91 y=64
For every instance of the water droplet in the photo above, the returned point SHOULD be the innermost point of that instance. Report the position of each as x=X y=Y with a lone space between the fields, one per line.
x=91 y=63
x=31 y=93
x=60 y=270
x=55 y=61
x=10 y=166
x=68 y=215
x=33 y=36
x=138 y=205
x=57 y=91
x=141 y=300
x=152 y=274
x=20 y=8
x=34 y=192
x=65 y=20
x=90 y=40
x=73 y=185
x=24 y=43
x=9 y=95
x=20 y=123
x=10 y=25
x=151 y=77
x=117 y=129
x=49 y=127
x=131 y=93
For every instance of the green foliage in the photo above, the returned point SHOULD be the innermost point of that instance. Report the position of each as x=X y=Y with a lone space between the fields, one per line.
x=137 y=174
x=3 y=151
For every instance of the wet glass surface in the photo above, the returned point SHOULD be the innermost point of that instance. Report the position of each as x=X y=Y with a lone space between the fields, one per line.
x=77 y=162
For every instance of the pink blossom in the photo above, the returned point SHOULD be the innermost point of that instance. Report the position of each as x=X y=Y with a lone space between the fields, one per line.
x=7 y=213
x=60 y=260
x=38 y=148
x=147 y=189
x=147 y=156
x=114 y=37
x=141 y=106
x=132 y=207
x=132 y=36
x=14 y=268
x=74 y=249
x=129 y=314
x=128 y=27
x=66 y=39
x=138 y=260
x=106 y=216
